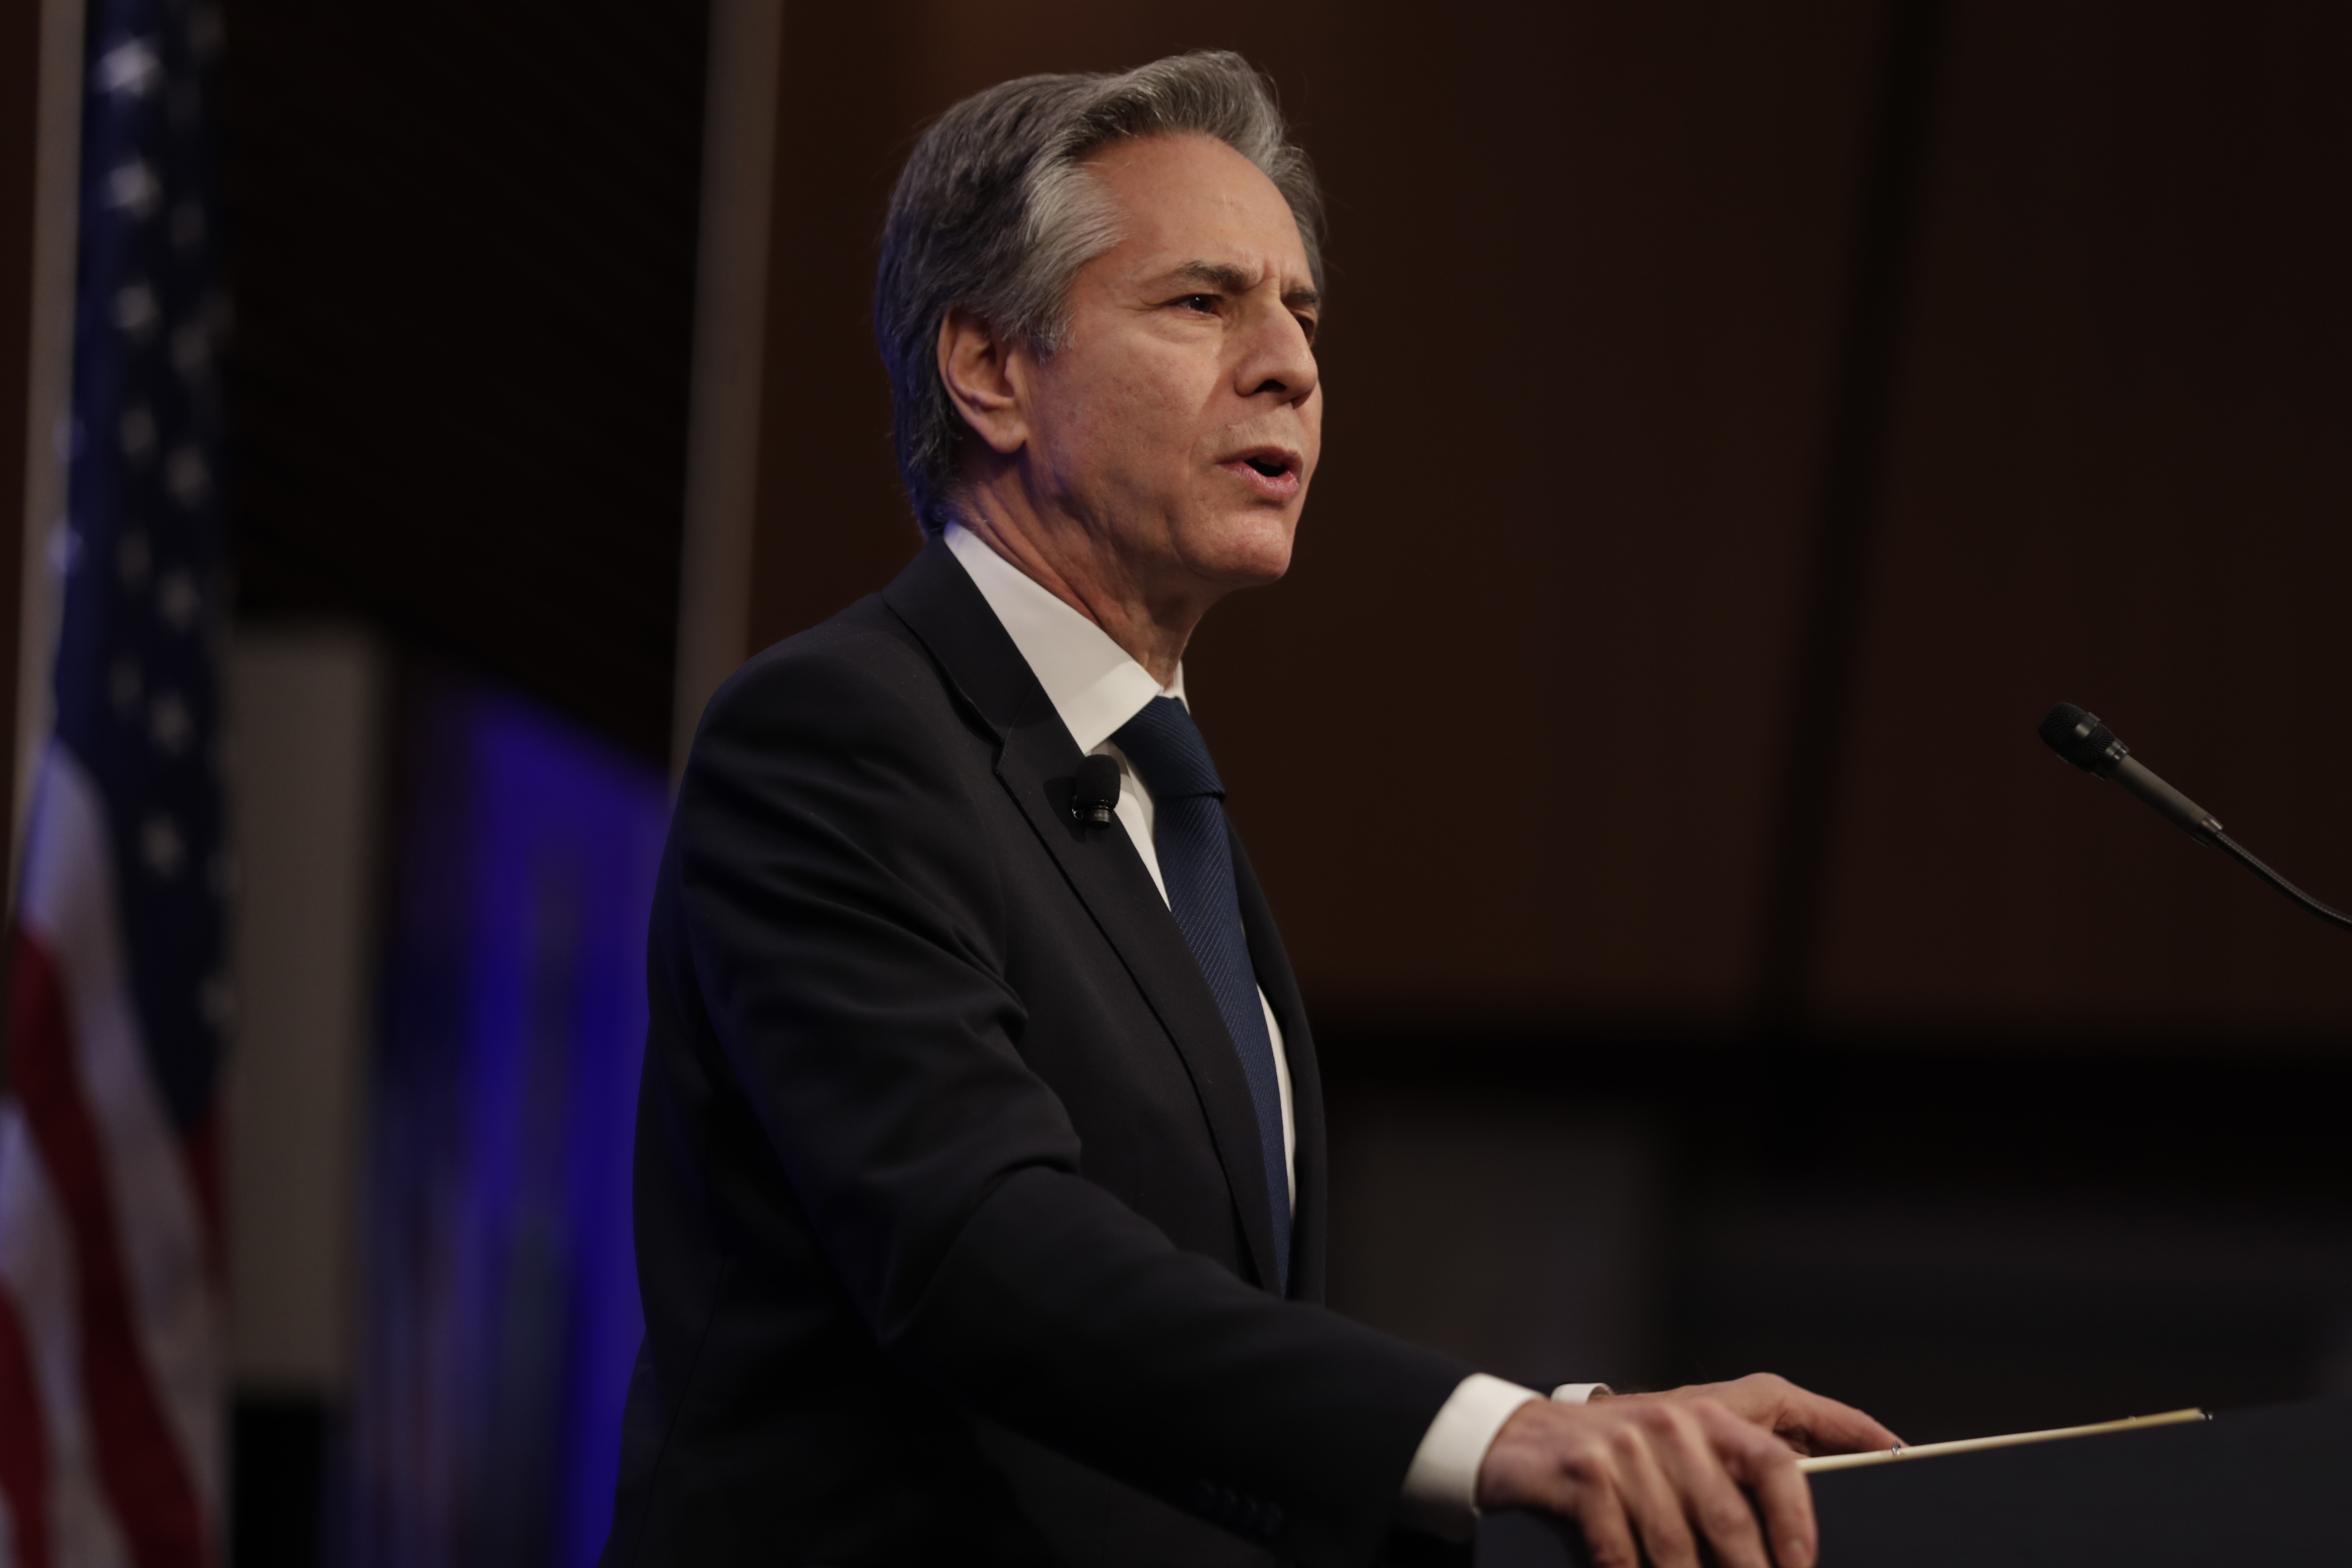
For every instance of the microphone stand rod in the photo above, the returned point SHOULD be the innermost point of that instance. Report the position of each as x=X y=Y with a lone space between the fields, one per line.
x=2245 y=857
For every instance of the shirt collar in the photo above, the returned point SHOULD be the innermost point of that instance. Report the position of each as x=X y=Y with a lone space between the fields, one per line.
x=1094 y=684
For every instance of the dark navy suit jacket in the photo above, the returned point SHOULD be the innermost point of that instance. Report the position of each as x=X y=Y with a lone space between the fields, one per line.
x=953 y=1230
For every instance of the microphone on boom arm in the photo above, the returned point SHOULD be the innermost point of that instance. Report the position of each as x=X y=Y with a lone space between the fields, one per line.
x=2082 y=740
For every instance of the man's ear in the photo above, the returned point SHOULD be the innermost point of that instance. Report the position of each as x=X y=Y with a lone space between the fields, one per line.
x=977 y=366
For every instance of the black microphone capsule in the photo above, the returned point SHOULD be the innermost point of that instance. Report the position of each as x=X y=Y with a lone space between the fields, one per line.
x=1095 y=796
x=2082 y=740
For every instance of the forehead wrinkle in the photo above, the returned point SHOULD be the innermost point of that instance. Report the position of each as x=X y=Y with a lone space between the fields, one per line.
x=1233 y=279
x=1216 y=274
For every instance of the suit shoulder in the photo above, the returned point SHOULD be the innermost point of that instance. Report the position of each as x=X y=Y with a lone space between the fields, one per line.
x=861 y=667
x=846 y=739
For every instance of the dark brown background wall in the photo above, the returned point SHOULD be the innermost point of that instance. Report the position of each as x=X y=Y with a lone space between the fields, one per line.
x=2120 y=475
x=1609 y=476
x=1596 y=278
x=1586 y=278
x=1744 y=422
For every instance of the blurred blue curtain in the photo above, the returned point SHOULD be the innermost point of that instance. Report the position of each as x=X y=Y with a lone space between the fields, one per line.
x=500 y=1313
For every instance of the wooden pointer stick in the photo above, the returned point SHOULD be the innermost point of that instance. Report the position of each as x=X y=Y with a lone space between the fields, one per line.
x=1965 y=1445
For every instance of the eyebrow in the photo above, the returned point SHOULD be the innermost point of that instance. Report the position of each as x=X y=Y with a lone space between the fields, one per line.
x=1233 y=280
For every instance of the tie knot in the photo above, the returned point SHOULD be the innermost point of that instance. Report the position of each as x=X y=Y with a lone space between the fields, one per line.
x=1167 y=750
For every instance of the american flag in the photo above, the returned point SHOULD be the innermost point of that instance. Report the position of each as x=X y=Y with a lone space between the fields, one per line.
x=110 y=1248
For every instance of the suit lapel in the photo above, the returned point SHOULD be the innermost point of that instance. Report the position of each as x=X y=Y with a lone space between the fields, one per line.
x=1037 y=762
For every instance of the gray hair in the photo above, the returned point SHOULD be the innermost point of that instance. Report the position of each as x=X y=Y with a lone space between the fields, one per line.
x=996 y=212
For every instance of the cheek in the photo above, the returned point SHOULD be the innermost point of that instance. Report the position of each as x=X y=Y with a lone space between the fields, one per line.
x=1139 y=422
x=1110 y=413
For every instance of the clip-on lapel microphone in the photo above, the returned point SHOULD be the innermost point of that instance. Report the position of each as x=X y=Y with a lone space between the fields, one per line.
x=1095 y=795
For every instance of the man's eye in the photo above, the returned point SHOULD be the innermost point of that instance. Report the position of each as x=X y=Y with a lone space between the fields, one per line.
x=1201 y=302
x=1306 y=325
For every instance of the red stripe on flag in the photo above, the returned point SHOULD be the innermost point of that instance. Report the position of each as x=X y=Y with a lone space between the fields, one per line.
x=138 y=1462
x=24 y=1446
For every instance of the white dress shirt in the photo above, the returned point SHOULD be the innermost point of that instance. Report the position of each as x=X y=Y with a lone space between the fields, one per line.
x=1096 y=688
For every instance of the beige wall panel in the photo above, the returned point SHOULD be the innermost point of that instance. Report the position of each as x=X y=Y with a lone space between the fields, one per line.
x=310 y=710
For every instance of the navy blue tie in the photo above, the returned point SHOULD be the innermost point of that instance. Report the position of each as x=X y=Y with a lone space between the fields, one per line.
x=1196 y=861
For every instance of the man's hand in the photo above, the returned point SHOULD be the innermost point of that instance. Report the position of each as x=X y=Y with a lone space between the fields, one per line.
x=1806 y=1421
x=1658 y=1472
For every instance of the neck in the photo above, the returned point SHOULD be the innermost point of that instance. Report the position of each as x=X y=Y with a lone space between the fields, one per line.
x=1083 y=569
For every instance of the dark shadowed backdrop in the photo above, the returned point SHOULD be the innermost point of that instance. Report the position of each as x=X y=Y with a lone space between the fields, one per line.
x=1742 y=427
x=1743 y=424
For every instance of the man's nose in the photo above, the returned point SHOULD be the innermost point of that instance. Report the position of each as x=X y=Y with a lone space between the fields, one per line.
x=1277 y=358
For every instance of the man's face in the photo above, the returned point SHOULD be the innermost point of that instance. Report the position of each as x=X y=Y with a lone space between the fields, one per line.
x=1183 y=417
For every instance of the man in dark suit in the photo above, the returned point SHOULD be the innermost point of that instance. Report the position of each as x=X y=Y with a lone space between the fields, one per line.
x=980 y=1178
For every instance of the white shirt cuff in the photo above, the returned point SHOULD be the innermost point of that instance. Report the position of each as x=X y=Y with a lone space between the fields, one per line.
x=1441 y=1486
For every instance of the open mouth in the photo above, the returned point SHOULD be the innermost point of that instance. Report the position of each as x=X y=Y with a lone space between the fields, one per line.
x=1271 y=471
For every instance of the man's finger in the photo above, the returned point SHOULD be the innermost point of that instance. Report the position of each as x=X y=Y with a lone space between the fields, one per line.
x=1600 y=1512
x=1651 y=1495
x=1783 y=1501
x=1804 y=1420
x=1817 y=1425
x=1710 y=1486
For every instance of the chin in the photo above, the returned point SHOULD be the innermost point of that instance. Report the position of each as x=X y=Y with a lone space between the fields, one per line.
x=1245 y=550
